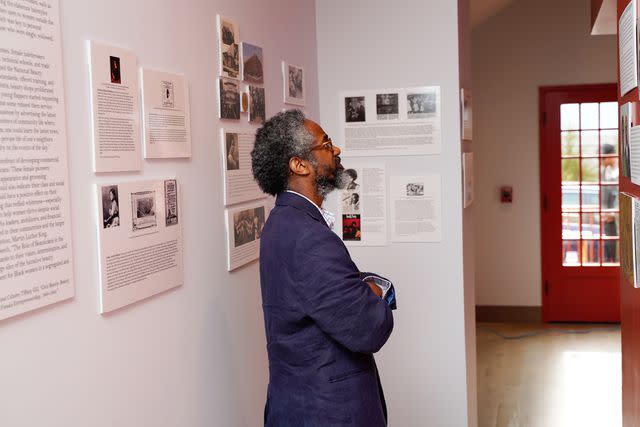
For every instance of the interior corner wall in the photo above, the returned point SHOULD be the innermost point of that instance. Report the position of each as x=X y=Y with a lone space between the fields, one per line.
x=193 y=356
x=527 y=45
x=377 y=44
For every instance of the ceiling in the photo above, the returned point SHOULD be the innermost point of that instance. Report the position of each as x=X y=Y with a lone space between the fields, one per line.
x=481 y=10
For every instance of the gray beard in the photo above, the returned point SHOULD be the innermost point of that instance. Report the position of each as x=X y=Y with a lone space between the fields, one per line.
x=324 y=185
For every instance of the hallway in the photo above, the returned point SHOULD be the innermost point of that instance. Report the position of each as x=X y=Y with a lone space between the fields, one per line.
x=555 y=375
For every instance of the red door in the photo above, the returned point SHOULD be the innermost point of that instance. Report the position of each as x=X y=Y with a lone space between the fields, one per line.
x=579 y=195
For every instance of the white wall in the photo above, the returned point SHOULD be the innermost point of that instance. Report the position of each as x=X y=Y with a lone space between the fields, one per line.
x=194 y=356
x=377 y=44
x=527 y=45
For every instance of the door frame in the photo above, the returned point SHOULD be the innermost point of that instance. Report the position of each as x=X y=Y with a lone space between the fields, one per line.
x=548 y=224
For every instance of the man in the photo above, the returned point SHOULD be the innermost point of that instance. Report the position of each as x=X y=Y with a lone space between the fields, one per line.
x=324 y=319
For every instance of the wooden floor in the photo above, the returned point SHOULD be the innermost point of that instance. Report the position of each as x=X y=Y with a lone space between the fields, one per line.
x=551 y=379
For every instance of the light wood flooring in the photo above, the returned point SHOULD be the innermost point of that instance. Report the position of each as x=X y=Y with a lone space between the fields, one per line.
x=552 y=379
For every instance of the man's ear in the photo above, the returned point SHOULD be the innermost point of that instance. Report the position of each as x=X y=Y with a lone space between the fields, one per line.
x=297 y=166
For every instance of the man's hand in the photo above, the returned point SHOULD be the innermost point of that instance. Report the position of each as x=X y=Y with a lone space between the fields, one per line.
x=376 y=290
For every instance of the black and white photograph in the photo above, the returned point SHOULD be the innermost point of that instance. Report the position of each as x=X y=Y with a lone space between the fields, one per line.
x=257 y=101
x=626 y=122
x=352 y=176
x=232 y=151
x=167 y=94
x=354 y=109
x=171 y=202
x=114 y=65
x=245 y=226
x=350 y=202
x=351 y=229
x=421 y=105
x=415 y=189
x=229 y=99
x=143 y=209
x=252 y=69
x=229 y=48
x=293 y=77
x=387 y=106
x=258 y=221
x=110 y=206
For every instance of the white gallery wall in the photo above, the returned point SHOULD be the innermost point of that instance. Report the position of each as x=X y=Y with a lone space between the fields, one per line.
x=195 y=355
x=527 y=45
x=376 y=44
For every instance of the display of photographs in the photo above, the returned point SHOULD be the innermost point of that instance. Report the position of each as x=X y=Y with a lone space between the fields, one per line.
x=143 y=210
x=629 y=118
x=387 y=106
x=247 y=225
x=114 y=65
x=232 y=151
x=421 y=105
x=257 y=101
x=229 y=99
x=293 y=77
x=626 y=238
x=351 y=227
x=466 y=105
x=167 y=94
x=171 y=202
x=110 y=207
x=252 y=70
x=354 y=109
x=229 y=51
x=415 y=189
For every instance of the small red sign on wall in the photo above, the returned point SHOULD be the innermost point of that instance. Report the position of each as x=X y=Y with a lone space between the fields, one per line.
x=506 y=194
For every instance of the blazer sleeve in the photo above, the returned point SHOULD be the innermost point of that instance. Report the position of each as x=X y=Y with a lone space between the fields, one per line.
x=332 y=293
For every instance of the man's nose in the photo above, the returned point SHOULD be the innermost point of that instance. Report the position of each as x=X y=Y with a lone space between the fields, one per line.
x=336 y=150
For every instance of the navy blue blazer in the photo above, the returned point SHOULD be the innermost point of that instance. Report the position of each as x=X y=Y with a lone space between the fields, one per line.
x=322 y=322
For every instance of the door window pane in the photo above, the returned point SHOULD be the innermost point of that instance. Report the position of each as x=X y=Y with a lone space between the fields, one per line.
x=591 y=252
x=570 y=253
x=570 y=171
x=590 y=226
x=570 y=144
x=589 y=116
x=609 y=170
x=590 y=143
x=608 y=115
x=570 y=116
x=610 y=225
x=609 y=197
x=590 y=197
x=610 y=251
x=570 y=225
x=570 y=197
x=609 y=142
x=590 y=173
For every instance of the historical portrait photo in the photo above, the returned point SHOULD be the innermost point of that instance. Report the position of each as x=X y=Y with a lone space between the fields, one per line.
x=354 y=109
x=421 y=105
x=110 y=206
x=387 y=106
x=244 y=226
x=252 y=71
x=293 y=77
x=167 y=94
x=258 y=221
x=415 y=189
x=229 y=52
x=229 y=99
x=256 y=109
x=232 y=151
x=351 y=227
x=143 y=209
x=114 y=65
x=350 y=202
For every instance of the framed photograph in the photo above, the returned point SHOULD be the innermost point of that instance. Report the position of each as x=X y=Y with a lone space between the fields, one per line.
x=252 y=64
x=143 y=210
x=293 y=78
x=387 y=106
x=110 y=207
x=354 y=109
x=229 y=99
x=232 y=151
x=228 y=41
x=421 y=105
x=114 y=65
x=256 y=109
